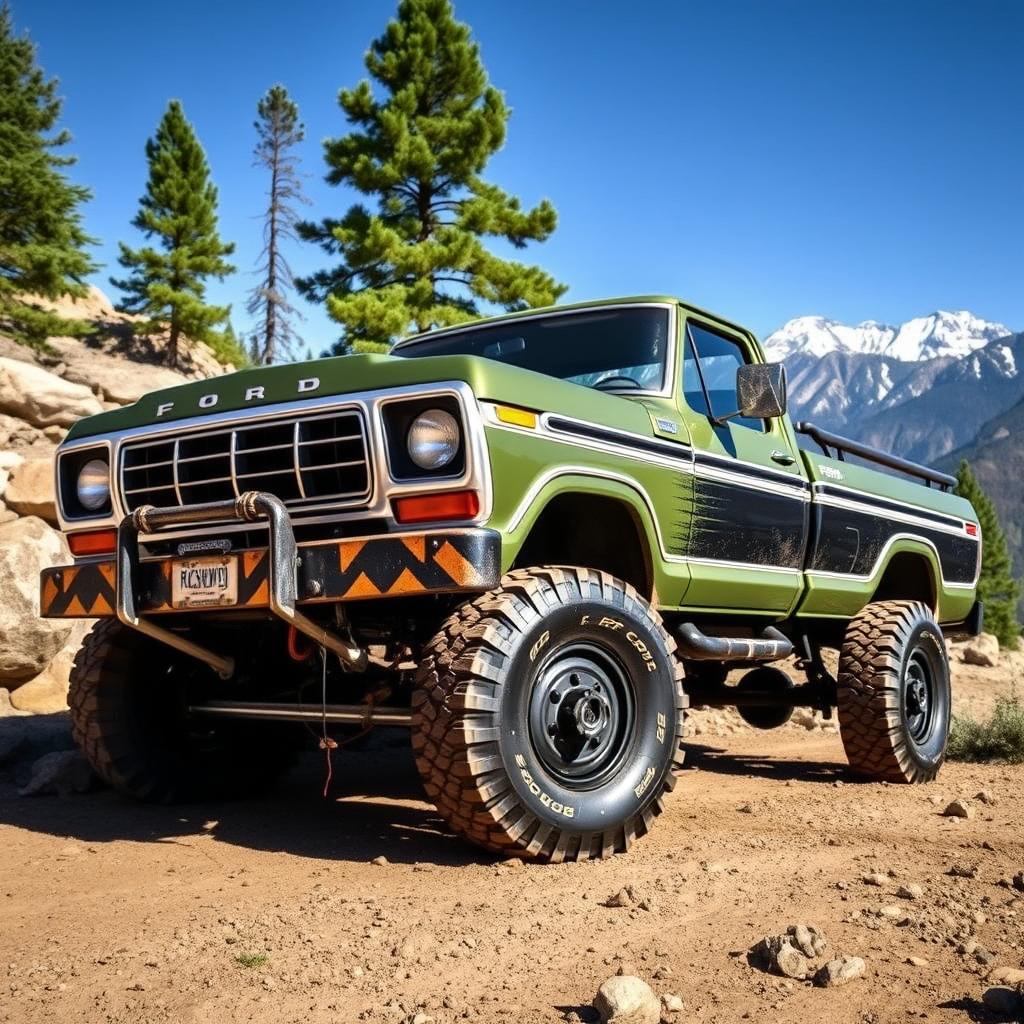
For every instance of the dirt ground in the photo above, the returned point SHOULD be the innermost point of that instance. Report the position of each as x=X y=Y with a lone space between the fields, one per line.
x=275 y=909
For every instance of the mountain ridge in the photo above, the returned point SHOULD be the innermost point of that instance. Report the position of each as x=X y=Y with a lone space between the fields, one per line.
x=936 y=335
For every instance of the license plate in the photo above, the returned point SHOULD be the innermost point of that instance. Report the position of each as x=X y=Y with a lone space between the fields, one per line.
x=204 y=582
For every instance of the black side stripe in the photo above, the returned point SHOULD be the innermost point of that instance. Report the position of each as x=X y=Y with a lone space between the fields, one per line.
x=769 y=475
x=889 y=506
x=684 y=453
x=674 y=450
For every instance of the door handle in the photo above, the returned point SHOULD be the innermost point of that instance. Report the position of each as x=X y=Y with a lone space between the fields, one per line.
x=783 y=458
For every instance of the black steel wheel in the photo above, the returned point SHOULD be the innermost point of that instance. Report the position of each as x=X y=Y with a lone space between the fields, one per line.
x=548 y=716
x=582 y=714
x=894 y=692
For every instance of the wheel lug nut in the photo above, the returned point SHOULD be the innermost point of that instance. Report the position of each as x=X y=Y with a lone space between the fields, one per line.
x=555 y=697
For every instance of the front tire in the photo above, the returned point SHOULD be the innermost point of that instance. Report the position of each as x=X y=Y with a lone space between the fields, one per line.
x=548 y=716
x=129 y=698
x=894 y=693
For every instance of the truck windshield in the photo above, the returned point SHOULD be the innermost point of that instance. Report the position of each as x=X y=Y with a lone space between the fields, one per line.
x=614 y=349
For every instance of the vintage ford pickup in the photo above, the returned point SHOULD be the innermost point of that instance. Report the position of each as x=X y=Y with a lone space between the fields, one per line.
x=533 y=540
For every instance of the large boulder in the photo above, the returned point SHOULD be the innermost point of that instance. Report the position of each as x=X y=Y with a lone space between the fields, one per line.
x=42 y=398
x=30 y=491
x=47 y=692
x=119 y=382
x=27 y=643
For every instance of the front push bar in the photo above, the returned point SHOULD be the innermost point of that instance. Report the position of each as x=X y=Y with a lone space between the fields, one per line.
x=250 y=506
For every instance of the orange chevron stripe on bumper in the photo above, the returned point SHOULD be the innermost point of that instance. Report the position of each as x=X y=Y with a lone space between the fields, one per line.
x=393 y=565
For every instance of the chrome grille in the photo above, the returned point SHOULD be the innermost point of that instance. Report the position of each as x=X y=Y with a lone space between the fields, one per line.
x=308 y=460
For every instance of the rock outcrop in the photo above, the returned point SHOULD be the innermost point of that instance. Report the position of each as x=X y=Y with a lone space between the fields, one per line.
x=41 y=395
x=27 y=643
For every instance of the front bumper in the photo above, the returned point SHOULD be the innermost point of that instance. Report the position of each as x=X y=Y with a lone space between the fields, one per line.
x=391 y=565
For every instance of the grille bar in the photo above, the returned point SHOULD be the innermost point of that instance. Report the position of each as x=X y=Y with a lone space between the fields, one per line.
x=301 y=460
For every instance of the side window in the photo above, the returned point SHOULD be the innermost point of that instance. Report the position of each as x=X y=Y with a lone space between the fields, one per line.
x=710 y=361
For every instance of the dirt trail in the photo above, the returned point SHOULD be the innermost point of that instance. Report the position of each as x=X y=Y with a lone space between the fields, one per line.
x=111 y=911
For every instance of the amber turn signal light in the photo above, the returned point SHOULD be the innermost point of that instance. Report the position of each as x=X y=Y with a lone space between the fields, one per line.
x=93 y=542
x=436 y=508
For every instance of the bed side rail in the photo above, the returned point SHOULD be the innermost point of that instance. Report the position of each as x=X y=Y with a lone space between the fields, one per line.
x=844 y=446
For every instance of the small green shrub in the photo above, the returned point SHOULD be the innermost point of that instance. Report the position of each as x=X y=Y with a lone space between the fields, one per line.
x=251 y=959
x=999 y=738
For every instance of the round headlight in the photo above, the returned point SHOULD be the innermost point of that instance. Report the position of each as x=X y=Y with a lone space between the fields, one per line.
x=93 y=485
x=433 y=439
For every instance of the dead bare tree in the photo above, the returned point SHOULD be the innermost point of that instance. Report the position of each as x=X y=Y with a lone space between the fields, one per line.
x=278 y=130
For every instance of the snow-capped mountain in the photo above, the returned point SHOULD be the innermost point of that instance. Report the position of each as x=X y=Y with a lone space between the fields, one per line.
x=924 y=337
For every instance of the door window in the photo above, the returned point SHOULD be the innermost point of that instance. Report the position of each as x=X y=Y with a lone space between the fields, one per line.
x=710 y=361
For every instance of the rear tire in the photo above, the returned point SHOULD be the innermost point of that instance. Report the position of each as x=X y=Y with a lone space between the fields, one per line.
x=129 y=701
x=894 y=693
x=548 y=716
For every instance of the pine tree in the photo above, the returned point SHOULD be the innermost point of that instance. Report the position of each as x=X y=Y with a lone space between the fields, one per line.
x=167 y=281
x=278 y=131
x=418 y=260
x=42 y=243
x=997 y=587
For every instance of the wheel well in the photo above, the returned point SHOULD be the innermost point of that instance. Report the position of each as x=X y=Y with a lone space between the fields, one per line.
x=593 y=531
x=907 y=577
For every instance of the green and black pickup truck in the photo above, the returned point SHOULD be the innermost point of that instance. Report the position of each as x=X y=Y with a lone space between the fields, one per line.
x=533 y=541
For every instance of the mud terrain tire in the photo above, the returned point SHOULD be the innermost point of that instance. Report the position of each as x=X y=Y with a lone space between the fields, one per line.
x=548 y=716
x=894 y=692
x=129 y=716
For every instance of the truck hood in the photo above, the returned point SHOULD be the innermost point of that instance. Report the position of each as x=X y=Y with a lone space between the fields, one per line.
x=264 y=386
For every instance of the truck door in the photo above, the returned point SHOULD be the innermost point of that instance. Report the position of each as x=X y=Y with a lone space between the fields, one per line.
x=750 y=501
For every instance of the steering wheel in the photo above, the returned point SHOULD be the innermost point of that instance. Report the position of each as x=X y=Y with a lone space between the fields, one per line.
x=621 y=378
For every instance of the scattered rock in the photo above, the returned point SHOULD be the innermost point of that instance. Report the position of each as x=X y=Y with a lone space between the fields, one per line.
x=986 y=797
x=380 y=861
x=1018 y=881
x=1012 y=976
x=27 y=643
x=807 y=939
x=961 y=870
x=958 y=809
x=917 y=961
x=776 y=953
x=62 y=772
x=982 y=650
x=876 y=878
x=840 y=971
x=910 y=891
x=670 y=1005
x=1006 y=1003
x=623 y=898
x=627 y=1000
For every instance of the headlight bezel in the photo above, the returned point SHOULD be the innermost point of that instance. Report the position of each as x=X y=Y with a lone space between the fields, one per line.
x=398 y=418
x=70 y=465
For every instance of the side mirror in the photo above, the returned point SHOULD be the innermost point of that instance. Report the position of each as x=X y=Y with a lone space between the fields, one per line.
x=761 y=390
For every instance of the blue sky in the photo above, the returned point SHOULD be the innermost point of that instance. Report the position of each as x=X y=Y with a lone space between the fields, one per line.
x=764 y=159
